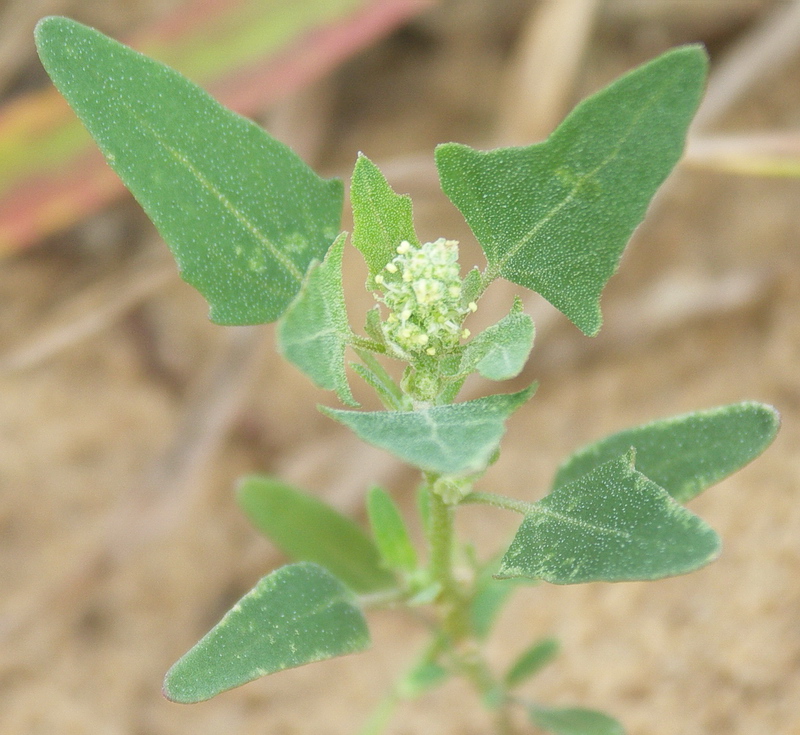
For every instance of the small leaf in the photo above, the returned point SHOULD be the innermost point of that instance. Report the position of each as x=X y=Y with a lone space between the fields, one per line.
x=501 y=351
x=242 y=213
x=423 y=678
x=307 y=529
x=314 y=332
x=555 y=217
x=490 y=596
x=390 y=532
x=381 y=218
x=375 y=375
x=297 y=615
x=472 y=285
x=685 y=454
x=456 y=439
x=532 y=661
x=612 y=525
x=574 y=721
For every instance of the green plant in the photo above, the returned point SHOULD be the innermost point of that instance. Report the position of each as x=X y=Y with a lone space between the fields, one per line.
x=257 y=232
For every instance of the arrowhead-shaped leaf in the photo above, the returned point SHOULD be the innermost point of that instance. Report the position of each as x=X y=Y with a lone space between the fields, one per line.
x=611 y=525
x=306 y=529
x=500 y=351
x=314 y=331
x=455 y=439
x=573 y=721
x=685 y=454
x=242 y=213
x=296 y=615
x=381 y=218
x=555 y=217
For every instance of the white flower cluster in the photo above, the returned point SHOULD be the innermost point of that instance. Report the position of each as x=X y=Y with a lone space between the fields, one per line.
x=422 y=289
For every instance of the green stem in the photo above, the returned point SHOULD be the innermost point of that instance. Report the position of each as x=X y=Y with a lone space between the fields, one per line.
x=499 y=501
x=440 y=539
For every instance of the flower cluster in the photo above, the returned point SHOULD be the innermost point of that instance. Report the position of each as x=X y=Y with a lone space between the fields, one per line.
x=421 y=287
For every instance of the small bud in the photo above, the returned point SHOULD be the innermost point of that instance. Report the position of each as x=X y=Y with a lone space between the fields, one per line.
x=391 y=267
x=465 y=333
x=431 y=351
x=472 y=306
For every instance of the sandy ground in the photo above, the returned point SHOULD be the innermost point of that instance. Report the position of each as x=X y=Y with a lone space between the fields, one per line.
x=120 y=543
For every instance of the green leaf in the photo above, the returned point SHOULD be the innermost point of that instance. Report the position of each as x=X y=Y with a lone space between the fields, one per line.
x=500 y=351
x=390 y=532
x=381 y=218
x=243 y=215
x=375 y=375
x=573 y=721
x=307 y=529
x=314 y=332
x=456 y=439
x=297 y=615
x=532 y=661
x=613 y=525
x=491 y=594
x=421 y=679
x=555 y=217
x=685 y=454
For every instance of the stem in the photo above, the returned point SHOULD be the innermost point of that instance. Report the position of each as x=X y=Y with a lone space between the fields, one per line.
x=440 y=539
x=499 y=501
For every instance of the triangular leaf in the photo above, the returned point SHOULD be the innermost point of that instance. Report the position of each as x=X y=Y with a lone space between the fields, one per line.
x=573 y=721
x=555 y=217
x=306 y=529
x=390 y=532
x=242 y=213
x=685 y=454
x=500 y=351
x=297 y=615
x=456 y=439
x=314 y=331
x=613 y=525
x=381 y=218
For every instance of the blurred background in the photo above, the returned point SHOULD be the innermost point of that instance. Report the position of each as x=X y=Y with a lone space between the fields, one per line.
x=126 y=417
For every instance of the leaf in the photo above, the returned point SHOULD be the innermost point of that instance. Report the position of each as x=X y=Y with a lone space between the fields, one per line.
x=532 y=661
x=421 y=679
x=381 y=218
x=490 y=596
x=243 y=215
x=314 y=332
x=297 y=615
x=685 y=454
x=456 y=439
x=501 y=351
x=555 y=217
x=390 y=532
x=612 y=525
x=307 y=529
x=573 y=721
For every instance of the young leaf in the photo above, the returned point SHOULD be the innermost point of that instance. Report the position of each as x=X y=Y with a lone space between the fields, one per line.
x=500 y=351
x=573 y=721
x=685 y=454
x=390 y=532
x=297 y=615
x=456 y=439
x=307 y=529
x=242 y=213
x=314 y=331
x=381 y=218
x=532 y=661
x=612 y=525
x=555 y=217
x=490 y=596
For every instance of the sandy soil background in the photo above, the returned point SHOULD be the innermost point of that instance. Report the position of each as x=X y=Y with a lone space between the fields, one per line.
x=120 y=543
